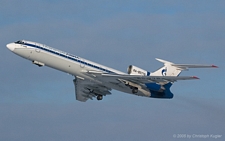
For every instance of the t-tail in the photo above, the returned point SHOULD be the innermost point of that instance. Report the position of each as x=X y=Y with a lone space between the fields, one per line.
x=171 y=69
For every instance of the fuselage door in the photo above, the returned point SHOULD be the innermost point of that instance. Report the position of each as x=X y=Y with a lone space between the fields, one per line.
x=37 y=49
x=82 y=63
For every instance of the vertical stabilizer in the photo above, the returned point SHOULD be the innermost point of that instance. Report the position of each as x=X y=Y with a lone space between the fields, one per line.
x=167 y=70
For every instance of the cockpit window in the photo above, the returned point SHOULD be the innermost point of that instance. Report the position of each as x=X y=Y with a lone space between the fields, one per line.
x=19 y=42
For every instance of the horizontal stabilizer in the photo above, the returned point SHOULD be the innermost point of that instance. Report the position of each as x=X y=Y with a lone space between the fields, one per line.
x=193 y=66
x=185 y=66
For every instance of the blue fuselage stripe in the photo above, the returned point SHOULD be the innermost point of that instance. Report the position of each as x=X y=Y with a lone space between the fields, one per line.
x=68 y=56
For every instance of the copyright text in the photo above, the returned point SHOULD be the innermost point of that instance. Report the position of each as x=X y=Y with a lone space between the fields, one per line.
x=197 y=136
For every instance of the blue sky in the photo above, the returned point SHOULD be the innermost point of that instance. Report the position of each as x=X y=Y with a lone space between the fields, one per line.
x=39 y=103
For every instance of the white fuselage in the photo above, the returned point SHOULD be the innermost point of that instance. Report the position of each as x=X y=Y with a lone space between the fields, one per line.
x=92 y=79
x=74 y=65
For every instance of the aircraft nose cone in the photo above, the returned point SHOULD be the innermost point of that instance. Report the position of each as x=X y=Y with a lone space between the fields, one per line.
x=10 y=46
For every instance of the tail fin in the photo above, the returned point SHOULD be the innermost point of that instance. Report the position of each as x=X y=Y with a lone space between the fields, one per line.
x=167 y=70
x=171 y=69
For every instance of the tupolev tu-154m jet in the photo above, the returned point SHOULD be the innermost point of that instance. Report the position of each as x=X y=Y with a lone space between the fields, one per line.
x=95 y=80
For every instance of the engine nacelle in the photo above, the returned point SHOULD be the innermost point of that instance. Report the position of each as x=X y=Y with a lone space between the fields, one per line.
x=133 y=70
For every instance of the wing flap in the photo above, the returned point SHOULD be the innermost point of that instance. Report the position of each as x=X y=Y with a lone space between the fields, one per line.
x=85 y=89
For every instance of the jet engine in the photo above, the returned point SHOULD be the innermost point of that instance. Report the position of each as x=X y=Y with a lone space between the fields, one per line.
x=133 y=70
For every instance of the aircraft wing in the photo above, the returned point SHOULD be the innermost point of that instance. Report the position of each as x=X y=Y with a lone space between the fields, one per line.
x=148 y=79
x=85 y=89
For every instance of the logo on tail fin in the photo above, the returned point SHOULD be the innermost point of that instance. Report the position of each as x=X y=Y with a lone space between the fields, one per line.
x=164 y=72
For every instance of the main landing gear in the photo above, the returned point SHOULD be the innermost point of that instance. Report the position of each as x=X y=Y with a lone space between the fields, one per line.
x=134 y=90
x=99 y=97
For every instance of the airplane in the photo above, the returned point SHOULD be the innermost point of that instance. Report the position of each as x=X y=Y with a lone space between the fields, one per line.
x=94 y=80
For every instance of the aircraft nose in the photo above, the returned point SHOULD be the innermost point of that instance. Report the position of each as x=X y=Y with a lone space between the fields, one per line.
x=10 y=46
